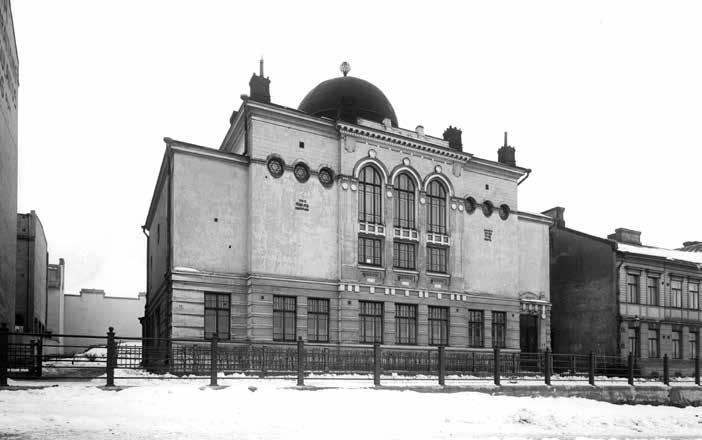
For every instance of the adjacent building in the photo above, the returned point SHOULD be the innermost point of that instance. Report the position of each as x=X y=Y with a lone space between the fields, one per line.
x=331 y=223
x=615 y=296
x=31 y=292
x=92 y=312
x=9 y=83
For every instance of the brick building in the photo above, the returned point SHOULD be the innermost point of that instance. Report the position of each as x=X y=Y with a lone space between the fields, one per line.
x=331 y=223
x=615 y=296
x=9 y=83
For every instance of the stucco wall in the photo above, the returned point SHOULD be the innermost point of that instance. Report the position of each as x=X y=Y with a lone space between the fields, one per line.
x=8 y=169
x=92 y=314
x=534 y=259
x=31 y=273
x=158 y=241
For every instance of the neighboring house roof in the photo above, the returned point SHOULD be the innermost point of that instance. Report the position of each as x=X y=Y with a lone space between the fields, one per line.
x=669 y=254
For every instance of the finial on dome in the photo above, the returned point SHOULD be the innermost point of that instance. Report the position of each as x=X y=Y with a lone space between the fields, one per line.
x=345 y=68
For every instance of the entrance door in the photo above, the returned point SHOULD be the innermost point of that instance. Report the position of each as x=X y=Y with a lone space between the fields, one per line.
x=529 y=333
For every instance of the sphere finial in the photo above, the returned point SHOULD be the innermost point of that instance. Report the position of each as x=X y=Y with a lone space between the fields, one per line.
x=345 y=68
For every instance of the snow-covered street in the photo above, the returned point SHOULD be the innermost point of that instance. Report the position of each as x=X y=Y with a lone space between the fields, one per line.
x=165 y=409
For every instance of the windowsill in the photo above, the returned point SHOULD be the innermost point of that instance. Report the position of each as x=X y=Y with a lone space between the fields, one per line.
x=370 y=267
x=407 y=271
x=438 y=274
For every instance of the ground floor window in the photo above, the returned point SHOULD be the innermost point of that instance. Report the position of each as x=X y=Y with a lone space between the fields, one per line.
x=653 y=343
x=633 y=341
x=318 y=320
x=406 y=324
x=370 y=251
x=692 y=342
x=475 y=328
x=371 y=322
x=217 y=315
x=499 y=329
x=677 y=344
x=284 y=318
x=438 y=325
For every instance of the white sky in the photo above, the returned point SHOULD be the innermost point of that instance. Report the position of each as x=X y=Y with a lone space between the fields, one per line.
x=602 y=101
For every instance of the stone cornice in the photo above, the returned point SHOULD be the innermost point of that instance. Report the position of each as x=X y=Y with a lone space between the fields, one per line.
x=538 y=218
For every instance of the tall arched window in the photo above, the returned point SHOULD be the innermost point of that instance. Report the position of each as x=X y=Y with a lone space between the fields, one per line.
x=404 y=202
x=436 y=211
x=369 y=196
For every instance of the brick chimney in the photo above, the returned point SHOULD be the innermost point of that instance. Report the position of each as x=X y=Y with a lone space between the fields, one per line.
x=453 y=136
x=259 y=86
x=626 y=236
x=505 y=154
x=556 y=214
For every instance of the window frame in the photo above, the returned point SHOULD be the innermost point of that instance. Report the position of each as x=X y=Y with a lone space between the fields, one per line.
x=676 y=344
x=476 y=325
x=363 y=316
x=693 y=301
x=656 y=341
x=443 y=323
x=406 y=322
x=675 y=293
x=692 y=343
x=499 y=329
x=397 y=252
x=314 y=314
x=377 y=251
x=633 y=291
x=432 y=264
x=370 y=189
x=216 y=296
x=405 y=202
x=653 y=290
x=437 y=214
x=285 y=314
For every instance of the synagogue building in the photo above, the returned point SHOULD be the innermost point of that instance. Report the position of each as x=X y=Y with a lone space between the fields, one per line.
x=331 y=223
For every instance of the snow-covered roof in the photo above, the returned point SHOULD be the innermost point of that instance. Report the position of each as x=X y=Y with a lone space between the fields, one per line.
x=692 y=257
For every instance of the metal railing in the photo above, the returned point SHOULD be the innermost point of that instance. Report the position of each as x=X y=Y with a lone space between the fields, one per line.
x=33 y=355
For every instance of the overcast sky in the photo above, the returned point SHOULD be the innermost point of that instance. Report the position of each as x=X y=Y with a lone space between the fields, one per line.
x=601 y=100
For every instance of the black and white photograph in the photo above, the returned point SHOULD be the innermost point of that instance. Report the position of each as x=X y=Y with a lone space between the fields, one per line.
x=360 y=220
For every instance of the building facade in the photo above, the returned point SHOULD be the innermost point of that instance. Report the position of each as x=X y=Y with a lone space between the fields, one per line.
x=31 y=294
x=617 y=296
x=9 y=83
x=92 y=312
x=332 y=224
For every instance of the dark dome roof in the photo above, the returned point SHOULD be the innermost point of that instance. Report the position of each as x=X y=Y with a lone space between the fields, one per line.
x=347 y=98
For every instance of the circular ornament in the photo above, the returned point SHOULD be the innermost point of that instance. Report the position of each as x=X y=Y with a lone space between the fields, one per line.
x=326 y=177
x=406 y=161
x=389 y=194
x=488 y=208
x=453 y=206
x=275 y=167
x=460 y=208
x=437 y=168
x=302 y=173
x=504 y=212
x=372 y=153
x=422 y=200
x=345 y=185
x=353 y=187
x=470 y=205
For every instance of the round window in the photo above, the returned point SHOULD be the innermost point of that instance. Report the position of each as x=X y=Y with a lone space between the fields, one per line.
x=488 y=208
x=301 y=172
x=504 y=212
x=470 y=205
x=275 y=167
x=325 y=177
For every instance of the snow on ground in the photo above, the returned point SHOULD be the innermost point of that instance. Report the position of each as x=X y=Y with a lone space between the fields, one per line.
x=276 y=410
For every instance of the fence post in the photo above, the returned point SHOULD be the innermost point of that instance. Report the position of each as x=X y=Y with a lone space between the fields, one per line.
x=442 y=365
x=573 y=365
x=591 y=368
x=496 y=365
x=214 y=357
x=377 y=364
x=697 y=367
x=40 y=356
x=109 y=362
x=630 y=368
x=300 y=362
x=263 y=361
x=666 y=373
x=547 y=367
x=4 y=354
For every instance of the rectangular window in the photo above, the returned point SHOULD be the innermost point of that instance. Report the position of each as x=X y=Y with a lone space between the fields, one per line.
x=406 y=324
x=677 y=344
x=370 y=251
x=371 y=322
x=318 y=320
x=694 y=294
x=437 y=257
x=284 y=318
x=404 y=255
x=438 y=325
x=217 y=315
x=675 y=292
x=633 y=344
x=692 y=343
x=475 y=328
x=499 y=329
x=632 y=281
x=652 y=289
x=653 y=343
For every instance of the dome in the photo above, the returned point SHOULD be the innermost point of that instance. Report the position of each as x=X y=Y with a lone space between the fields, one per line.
x=347 y=98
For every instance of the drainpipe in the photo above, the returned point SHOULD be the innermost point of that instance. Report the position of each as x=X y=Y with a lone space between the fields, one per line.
x=525 y=178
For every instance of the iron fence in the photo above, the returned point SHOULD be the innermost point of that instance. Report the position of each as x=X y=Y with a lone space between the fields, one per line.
x=26 y=356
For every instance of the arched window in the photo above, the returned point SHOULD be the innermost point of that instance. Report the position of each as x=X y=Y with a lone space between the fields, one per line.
x=404 y=202
x=436 y=211
x=369 y=196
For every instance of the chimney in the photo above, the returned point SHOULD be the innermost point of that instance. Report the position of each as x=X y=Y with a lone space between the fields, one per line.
x=259 y=86
x=505 y=154
x=453 y=136
x=557 y=215
x=626 y=236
